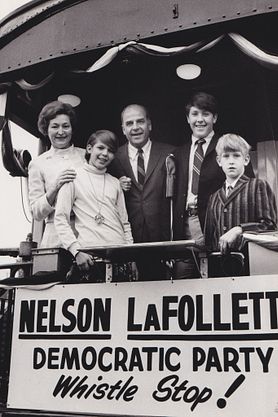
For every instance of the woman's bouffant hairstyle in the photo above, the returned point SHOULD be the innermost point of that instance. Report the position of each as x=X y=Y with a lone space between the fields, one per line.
x=107 y=137
x=53 y=109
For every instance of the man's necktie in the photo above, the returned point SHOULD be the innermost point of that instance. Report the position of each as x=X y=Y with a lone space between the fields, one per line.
x=197 y=162
x=140 y=167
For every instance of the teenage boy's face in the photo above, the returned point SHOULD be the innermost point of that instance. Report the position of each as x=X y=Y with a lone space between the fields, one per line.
x=201 y=122
x=233 y=164
x=100 y=155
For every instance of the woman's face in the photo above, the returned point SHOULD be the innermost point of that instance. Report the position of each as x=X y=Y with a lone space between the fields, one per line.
x=60 y=131
x=100 y=155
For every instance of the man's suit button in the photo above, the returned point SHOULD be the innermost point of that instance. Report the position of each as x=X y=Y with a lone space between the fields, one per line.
x=224 y=228
x=225 y=210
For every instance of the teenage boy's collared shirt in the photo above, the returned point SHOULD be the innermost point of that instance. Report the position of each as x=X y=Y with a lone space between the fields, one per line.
x=133 y=155
x=191 y=198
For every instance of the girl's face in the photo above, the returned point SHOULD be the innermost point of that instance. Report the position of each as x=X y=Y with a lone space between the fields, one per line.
x=101 y=155
x=60 y=131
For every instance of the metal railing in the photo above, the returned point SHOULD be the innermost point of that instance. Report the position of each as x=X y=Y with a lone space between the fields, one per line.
x=16 y=268
x=6 y=312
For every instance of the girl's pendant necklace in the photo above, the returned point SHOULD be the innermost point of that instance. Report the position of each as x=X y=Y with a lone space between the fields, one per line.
x=99 y=219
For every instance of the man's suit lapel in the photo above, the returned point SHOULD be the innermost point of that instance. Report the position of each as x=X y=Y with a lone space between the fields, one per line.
x=124 y=159
x=153 y=160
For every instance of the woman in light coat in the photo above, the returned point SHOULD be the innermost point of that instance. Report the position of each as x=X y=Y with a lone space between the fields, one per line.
x=50 y=170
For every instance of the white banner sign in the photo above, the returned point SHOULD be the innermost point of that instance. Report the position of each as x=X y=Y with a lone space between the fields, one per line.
x=188 y=348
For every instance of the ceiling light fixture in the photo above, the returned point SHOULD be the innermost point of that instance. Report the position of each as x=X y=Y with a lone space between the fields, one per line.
x=74 y=101
x=188 y=71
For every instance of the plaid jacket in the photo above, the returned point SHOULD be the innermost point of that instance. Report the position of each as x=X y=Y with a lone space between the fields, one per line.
x=251 y=205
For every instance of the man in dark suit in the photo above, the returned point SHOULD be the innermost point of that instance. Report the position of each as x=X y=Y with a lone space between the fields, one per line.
x=196 y=181
x=140 y=166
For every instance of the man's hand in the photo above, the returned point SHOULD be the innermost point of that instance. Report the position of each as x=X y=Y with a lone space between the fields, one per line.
x=125 y=183
x=229 y=239
x=84 y=261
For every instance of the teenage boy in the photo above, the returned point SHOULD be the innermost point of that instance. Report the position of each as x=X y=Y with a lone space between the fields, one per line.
x=242 y=204
x=197 y=176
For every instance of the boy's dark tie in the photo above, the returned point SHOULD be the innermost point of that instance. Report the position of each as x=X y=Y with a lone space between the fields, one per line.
x=140 y=167
x=229 y=190
x=197 y=162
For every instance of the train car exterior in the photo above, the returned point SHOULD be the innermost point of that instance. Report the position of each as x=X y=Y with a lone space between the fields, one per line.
x=203 y=347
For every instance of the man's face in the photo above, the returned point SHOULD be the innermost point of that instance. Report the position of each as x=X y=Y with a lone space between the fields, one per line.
x=136 y=126
x=233 y=164
x=201 y=122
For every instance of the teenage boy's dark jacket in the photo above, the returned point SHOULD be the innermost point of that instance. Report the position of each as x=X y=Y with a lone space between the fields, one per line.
x=211 y=179
x=251 y=205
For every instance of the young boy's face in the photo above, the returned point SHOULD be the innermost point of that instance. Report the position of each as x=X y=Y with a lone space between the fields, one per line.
x=233 y=164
